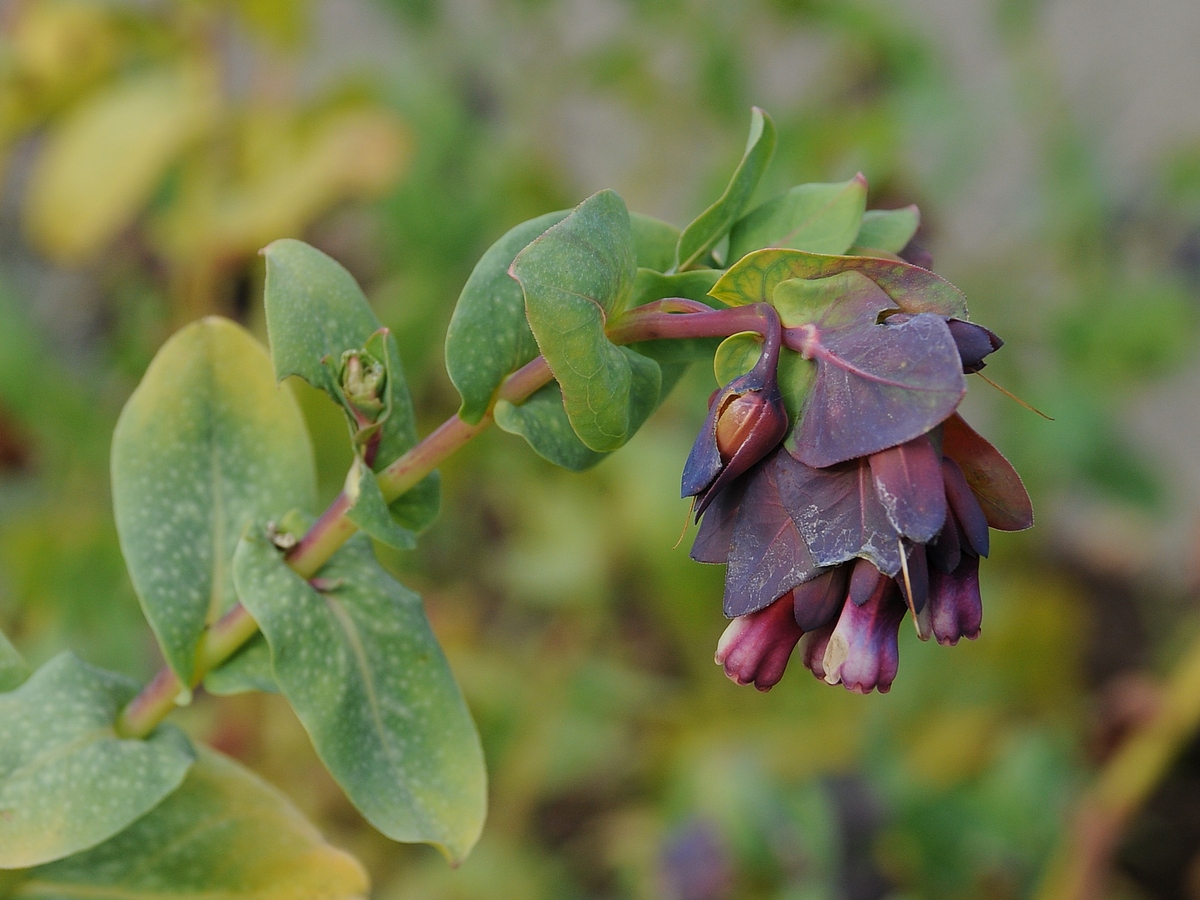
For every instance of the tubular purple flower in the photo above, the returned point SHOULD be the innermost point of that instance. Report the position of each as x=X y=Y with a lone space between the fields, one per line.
x=756 y=647
x=815 y=644
x=746 y=421
x=955 y=605
x=862 y=651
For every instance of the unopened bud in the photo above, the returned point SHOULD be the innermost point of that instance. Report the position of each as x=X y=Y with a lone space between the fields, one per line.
x=363 y=379
x=746 y=421
x=735 y=423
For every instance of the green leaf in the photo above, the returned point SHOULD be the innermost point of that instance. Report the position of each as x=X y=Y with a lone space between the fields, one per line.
x=67 y=782
x=654 y=242
x=13 y=669
x=543 y=422
x=888 y=230
x=649 y=286
x=361 y=667
x=316 y=312
x=738 y=354
x=249 y=669
x=818 y=218
x=699 y=238
x=754 y=277
x=489 y=337
x=369 y=510
x=575 y=277
x=207 y=443
x=225 y=833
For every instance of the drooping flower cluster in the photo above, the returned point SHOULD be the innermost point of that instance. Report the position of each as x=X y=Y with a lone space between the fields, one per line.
x=822 y=540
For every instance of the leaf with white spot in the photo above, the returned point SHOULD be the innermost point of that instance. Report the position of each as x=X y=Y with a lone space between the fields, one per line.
x=315 y=313
x=207 y=444
x=225 y=833
x=67 y=782
x=13 y=669
x=359 y=664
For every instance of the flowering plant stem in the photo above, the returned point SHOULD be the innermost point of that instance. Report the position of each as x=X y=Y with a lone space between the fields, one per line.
x=1080 y=866
x=673 y=318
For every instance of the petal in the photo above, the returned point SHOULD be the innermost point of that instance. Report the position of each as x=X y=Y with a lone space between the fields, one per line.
x=755 y=648
x=974 y=343
x=918 y=577
x=966 y=508
x=945 y=551
x=864 y=581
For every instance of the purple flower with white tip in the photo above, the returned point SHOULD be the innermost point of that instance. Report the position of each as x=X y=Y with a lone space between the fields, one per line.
x=862 y=651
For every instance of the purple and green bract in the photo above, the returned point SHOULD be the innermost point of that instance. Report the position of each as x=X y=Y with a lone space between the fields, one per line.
x=880 y=499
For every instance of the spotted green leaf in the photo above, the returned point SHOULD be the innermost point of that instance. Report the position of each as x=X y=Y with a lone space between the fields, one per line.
x=543 y=422
x=654 y=242
x=577 y=276
x=888 y=230
x=316 y=312
x=364 y=673
x=207 y=443
x=488 y=337
x=700 y=237
x=225 y=833
x=818 y=218
x=369 y=510
x=754 y=277
x=67 y=782
x=13 y=669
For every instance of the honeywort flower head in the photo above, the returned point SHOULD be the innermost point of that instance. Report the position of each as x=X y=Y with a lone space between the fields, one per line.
x=848 y=550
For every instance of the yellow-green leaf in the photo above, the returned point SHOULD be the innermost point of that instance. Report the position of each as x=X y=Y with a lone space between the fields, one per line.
x=104 y=160
x=819 y=218
x=207 y=443
x=754 y=277
x=888 y=230
x=225 y=834
x=703 y=234
x=67 y=782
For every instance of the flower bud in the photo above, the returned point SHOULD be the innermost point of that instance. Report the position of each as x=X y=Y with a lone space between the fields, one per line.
x=756 y=647
x=746 y=421
x=974 y=343
x=363 y=378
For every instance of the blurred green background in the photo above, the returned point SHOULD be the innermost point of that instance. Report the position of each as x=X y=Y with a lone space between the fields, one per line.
x=150 y=148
